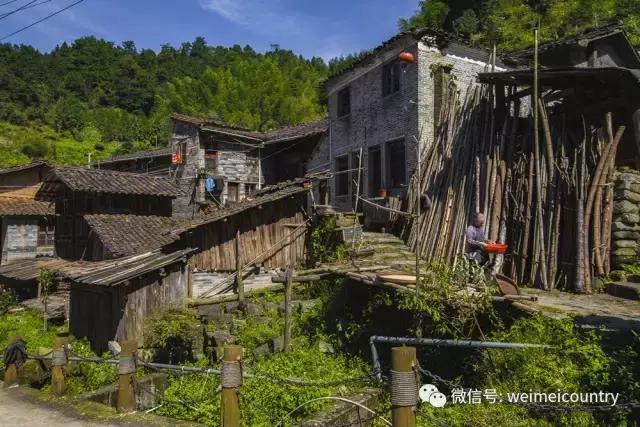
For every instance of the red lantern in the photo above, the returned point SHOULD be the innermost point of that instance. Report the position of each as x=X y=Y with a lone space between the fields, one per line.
x=407 y=57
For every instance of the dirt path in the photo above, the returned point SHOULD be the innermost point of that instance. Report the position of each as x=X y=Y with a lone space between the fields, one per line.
x=19 y=409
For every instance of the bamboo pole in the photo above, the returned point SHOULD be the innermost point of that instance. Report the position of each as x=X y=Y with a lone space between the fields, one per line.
x=238 y=277
x=288 y=284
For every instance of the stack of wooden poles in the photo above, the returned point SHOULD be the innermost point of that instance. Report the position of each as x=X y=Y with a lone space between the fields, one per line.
x=546 y=190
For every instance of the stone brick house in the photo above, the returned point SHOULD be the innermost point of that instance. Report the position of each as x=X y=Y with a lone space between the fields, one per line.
x=386 y=107
x=234 y=161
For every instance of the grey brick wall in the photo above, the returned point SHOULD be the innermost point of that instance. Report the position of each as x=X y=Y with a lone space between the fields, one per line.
x=375 y=120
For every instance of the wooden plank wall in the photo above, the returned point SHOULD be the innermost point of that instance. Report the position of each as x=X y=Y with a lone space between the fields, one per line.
x=148 y=295
x=260 y=229
x=104 y=313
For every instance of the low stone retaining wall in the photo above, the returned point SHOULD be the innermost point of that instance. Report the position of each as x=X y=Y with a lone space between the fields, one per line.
x=625 y=239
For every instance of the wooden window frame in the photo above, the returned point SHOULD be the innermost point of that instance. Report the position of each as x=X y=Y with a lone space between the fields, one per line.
x=390 y=78
x=344 y=107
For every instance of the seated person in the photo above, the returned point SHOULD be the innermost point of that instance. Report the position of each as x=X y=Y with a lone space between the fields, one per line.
x=476 y=241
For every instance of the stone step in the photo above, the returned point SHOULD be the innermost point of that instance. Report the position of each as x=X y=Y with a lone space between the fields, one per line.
x=625 y=290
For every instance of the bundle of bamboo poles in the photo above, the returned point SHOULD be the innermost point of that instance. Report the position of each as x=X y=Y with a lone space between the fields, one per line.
x=546 y=190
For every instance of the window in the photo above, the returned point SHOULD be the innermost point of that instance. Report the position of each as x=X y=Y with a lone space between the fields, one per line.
x=390 y=78
x=46 y=233
x=344 y=101
x=342 y=175
x=249 y=189
x=396 y=165
x=375 y=170
x=233 y=192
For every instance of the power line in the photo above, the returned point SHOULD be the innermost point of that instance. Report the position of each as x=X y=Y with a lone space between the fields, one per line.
x=51 y=15
x=8 y=2
x=37 y=4
x=23 y=7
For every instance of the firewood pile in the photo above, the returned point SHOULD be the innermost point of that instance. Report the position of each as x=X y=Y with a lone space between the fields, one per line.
x=550 y=197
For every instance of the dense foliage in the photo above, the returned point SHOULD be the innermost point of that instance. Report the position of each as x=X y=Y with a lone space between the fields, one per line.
x=509 y=24
x=93 y=92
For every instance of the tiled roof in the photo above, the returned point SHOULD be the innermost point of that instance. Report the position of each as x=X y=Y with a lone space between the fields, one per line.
x=318 y=127
x=276 y=135
x=260 y=197
x=587 y=35
x=218 y=126
x=163 y=152
x=22 y=202
x=35 y=164
x=126 y=235
x=440 y=38
x=106 y=181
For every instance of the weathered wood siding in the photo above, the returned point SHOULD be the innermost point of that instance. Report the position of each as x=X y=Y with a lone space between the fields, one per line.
x=260 y=229
x=104 y=313
x=72 y=231
x=20 y=238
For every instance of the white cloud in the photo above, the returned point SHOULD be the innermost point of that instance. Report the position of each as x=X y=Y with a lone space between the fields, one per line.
x=262 y=16
x=233 y=10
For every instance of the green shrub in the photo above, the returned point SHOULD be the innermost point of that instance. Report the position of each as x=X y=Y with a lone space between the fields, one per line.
x=28 y=325
x=575 y=362
x=172 y=333
x=265 y=402
x=7 y=299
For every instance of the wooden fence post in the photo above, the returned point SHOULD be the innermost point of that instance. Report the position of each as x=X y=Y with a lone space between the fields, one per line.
x=287 y=310
x=231 y=380
x=403 y=360
x=11 y=371
x=239 y=281
x=59 y=365
x=127 y=376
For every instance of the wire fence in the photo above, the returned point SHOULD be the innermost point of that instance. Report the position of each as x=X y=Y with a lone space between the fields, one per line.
x=374 y=378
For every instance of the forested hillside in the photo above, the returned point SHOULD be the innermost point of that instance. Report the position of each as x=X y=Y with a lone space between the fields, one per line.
x=509 y=24
x=95 y=96
x=94 y=92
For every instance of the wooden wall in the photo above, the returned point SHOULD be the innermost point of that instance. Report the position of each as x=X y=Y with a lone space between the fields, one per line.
x=104 y=313
x=72 y=231
x=260 y=229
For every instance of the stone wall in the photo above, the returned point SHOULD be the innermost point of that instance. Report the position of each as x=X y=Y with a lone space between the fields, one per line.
x=187 y=136
x=626 y=218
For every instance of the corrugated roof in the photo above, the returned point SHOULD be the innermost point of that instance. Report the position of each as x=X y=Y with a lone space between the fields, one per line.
x=125 y=235
x=119 y=270
x=22 y=202
x=147 y=154
x=29 y=269
x=105 y=181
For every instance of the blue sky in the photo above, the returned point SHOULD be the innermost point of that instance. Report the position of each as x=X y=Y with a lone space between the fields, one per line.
x=325 y=28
